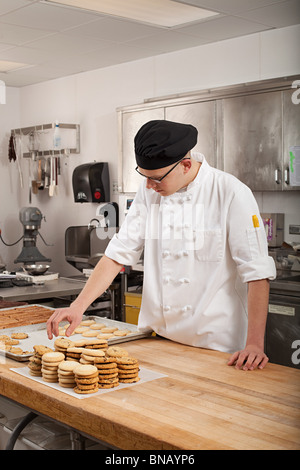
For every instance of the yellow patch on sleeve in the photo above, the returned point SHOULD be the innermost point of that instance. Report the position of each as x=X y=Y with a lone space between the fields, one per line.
x=255 y=221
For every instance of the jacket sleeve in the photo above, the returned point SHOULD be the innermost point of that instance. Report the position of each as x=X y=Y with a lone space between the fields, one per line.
x=126 y=246
x=247 y=238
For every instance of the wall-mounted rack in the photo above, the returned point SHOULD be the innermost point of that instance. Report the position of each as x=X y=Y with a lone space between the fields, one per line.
x=32 y=130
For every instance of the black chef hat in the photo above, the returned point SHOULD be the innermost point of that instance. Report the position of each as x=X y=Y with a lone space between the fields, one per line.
x=161 y=143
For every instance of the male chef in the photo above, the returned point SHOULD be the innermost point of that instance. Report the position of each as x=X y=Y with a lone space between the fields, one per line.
x=206 y=263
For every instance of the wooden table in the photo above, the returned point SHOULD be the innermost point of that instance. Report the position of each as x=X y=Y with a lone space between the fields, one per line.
x=201 y=404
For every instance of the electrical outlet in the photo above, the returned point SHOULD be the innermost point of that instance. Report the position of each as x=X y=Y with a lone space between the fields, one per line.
x=294 y=229
x=115 y=187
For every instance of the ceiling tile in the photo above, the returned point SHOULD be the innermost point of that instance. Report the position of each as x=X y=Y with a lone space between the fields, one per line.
x=68 y=44
x=167 y=41
x=42 y=16
x=223 y=28
x=114 y=54
x=115 y=30
x=7 y=6
x=284 y=14
x=26 y=55
x=18 y=35
x=229 y=6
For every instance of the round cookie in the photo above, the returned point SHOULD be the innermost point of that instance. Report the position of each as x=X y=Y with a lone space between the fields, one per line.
x=90 y=333
x=67 y=366
x=97 y=326
x=108 y=329
x=111 y=385
x=14 y=350
x=120 y=333
x=40 y=349
x=105 y=360
x=126 y=360
x=62 y=344
x=91 y=354
x=116 y=351
x=81 y=329
x=87 y=370
x=128 y=381
x=81 y=391
x=86 y=381
x=19 y=335
x=11 y=342
x=87 y=322
x=96 y=343
x=4 y=337
x=53 y=357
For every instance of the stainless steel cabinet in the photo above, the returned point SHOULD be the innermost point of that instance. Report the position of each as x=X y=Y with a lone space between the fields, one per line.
x=291 y=135
x=259 y=129
x=246 y=130
x=253 y=139
x=203 y=117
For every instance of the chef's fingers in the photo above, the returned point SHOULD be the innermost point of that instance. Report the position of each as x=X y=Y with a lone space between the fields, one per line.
x=256 y=360
x=74 y=322
x=251 y=360
x=242 y=356
x=53 y=322
x=233 y=358
x=264 y=362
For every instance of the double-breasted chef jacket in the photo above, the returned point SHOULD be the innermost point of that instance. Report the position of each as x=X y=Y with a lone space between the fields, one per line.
x=202 y=245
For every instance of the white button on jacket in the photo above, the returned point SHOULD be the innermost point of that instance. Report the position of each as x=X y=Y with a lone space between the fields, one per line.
x=204 y=242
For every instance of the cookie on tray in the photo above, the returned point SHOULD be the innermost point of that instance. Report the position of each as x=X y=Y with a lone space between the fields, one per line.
x=19 y=335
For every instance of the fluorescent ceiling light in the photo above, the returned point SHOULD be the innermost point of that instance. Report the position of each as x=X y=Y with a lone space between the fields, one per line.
x=166 y=13
x=7 y=66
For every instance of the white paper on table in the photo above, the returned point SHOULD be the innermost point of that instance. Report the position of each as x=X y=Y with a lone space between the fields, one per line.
x=145 y=375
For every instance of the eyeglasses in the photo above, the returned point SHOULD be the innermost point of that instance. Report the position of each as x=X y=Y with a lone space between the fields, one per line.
x=159 y=180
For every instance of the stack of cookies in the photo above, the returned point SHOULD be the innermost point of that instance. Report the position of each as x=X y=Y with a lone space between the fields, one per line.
x=50 y=363
x=128 y=369
x=88 y=356
x=62 y=344
x=107 y=372
x=86 y=378
x=95 y=343
x=66 y=376
x=73 y=354
x=35 y=361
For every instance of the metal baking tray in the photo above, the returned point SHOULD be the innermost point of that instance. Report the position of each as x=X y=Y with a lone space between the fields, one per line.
x=37 y=334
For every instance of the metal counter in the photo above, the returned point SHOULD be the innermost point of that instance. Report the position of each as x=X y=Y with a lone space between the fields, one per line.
x=58 y=287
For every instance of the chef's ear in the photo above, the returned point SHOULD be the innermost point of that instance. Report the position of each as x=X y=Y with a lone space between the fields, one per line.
x=186 y=165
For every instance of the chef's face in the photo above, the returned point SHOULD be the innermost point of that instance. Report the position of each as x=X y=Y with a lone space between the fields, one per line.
x=173 y=177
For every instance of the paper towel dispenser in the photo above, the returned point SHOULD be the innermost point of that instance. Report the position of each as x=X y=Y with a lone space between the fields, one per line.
x=91 y=182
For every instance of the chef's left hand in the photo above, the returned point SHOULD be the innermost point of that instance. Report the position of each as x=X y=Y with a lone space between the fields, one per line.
x=250 y=358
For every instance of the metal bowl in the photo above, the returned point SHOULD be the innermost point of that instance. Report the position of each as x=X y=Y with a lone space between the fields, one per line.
x=36 y=269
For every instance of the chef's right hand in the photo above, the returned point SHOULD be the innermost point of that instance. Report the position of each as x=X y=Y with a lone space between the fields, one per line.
x=71 y=314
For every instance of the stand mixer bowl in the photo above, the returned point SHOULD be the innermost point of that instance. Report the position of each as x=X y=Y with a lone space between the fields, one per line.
x=36 y=269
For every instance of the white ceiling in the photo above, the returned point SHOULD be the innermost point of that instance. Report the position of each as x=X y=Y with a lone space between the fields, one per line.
x=57 y=41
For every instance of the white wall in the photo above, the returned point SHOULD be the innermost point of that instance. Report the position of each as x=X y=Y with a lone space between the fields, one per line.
x=91 y=99
x=9 y=176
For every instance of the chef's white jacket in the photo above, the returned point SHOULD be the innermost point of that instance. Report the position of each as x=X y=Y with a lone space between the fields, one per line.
x=201 y=247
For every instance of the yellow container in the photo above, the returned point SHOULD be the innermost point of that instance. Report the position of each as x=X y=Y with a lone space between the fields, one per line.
x=132 y=307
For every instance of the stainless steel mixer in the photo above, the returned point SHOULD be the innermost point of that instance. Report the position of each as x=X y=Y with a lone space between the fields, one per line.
x=34 y=261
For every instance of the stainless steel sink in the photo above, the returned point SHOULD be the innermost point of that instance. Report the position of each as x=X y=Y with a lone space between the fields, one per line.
x=85 y=245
